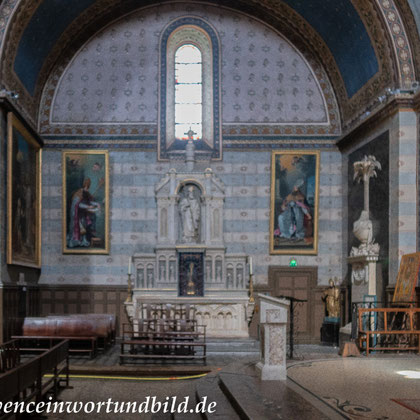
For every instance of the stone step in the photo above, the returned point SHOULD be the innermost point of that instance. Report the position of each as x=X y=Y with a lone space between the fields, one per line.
x=269 y=400
x=244 y=397
x=209 y=387
x=232 y=346
x=177 y=416
x=187 y=416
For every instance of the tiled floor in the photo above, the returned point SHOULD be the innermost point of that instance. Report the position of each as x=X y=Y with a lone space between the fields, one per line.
x=321 y=385
x=380 y=387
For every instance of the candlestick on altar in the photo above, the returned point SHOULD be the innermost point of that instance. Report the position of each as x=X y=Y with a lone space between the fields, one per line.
x=251 y=289
x=251 y=285
x=129 y=289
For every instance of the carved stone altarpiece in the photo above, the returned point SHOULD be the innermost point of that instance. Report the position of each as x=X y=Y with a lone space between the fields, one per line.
x=190 y=214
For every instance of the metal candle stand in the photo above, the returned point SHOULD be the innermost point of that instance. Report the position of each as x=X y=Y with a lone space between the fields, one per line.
x=292 y=321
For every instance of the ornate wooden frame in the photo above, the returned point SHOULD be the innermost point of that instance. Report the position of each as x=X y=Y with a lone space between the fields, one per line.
x=309 y=244
x=80 y=250
x=407 y=278
x=20 y=192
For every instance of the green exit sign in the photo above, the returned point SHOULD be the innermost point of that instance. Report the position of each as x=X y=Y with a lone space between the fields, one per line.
x=293 y=262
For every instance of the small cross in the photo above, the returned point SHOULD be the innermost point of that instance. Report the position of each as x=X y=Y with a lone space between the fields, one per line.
x=190 y=133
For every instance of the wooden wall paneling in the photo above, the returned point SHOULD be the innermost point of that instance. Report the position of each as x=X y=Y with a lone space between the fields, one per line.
x=80 y=299
x=33 y=308
x=11 y=309
x=2 y=340
x=16 y=302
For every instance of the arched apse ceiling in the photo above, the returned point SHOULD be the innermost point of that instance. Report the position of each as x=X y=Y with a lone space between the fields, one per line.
x=336 y=21
x=352 y=38
x=266 y=85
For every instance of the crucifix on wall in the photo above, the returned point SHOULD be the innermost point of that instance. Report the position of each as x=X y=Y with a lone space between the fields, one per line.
x=190 y=133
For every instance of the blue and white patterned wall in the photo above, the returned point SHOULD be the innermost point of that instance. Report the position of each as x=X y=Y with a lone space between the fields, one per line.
x=133 y=223
x=403 y=200
x=113 y=79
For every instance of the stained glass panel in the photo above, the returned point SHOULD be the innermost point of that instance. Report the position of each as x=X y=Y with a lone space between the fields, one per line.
x=188 y=93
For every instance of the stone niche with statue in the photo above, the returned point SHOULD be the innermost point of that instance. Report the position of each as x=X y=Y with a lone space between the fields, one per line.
x=190 y=263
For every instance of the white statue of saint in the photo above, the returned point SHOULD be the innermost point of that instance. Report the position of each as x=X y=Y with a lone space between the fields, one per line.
x=189 y=210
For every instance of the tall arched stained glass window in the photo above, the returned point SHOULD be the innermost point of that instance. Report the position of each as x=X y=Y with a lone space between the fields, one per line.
x=188 y=93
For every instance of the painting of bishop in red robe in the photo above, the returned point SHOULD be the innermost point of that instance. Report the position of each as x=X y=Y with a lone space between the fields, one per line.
x=86 y=202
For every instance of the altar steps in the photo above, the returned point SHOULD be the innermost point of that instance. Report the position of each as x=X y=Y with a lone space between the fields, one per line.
x=240 y=394
x=232 y=346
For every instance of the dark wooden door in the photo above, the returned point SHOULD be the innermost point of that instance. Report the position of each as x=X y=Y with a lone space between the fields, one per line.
x=300 y=283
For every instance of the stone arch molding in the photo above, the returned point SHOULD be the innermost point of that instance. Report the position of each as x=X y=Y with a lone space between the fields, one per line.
x=400 y=41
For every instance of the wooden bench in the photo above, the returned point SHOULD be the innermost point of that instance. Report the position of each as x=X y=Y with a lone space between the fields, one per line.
x=99 y=325
x=165 y=339
x=46 y=332
x=109 y=319
x=392 y=328
x=27 y=382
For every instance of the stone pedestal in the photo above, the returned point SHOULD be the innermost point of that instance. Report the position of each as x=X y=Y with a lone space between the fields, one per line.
x=273 y=322
x=363 y=276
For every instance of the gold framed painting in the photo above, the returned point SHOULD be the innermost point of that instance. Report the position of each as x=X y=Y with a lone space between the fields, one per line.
x=407 y=278
x=23 y=195
x=294 y=202
x=85 y=201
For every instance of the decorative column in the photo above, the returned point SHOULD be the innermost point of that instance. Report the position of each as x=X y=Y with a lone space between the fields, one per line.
x=129 y=307
x=363 y=258
x=190 y=154
x=273 y=322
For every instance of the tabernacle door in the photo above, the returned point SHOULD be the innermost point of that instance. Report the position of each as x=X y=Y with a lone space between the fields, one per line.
x=191 y=273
